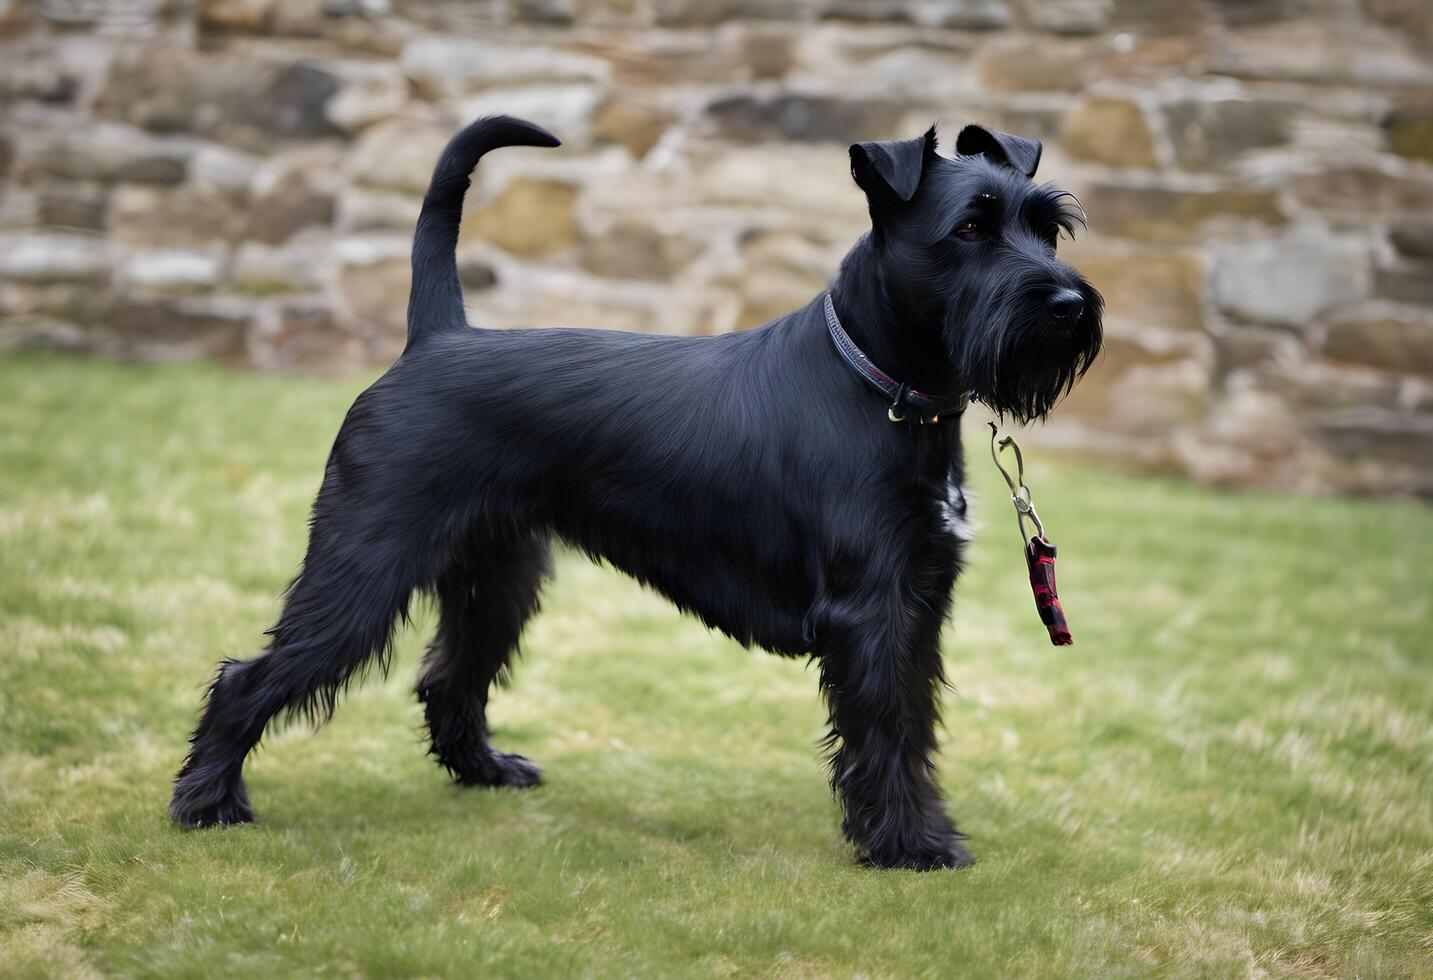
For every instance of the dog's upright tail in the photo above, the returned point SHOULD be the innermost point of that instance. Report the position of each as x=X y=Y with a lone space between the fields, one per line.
x=436 y=300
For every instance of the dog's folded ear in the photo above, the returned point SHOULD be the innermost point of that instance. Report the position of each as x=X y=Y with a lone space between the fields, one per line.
x=1015 y=151
x=891 y=167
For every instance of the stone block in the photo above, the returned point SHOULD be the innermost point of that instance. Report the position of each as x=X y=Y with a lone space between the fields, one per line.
x=1413 y=237
x=302 y=264
x=1038 y=120
x=292 y=192
x=1208 y=134
x=669 y=58
x=1039 y=64
x=251 y=16
x=1384 y=451
x=961 y=15
x=168 y=87
x=447 y=66
x=476 y=273
x=869 y=11
x=303 y=334
x=632 y=123
x=1364 y=190
x=308 y=18
x=1293 y=279
x=1110 y=131
x=169 y=328
x=1410 y=133
x=1142 y=386
x=13 y=15
x=358 y=8
x=556 y=12
x=1320 y=52
x=173 y=216
x=531 y=217
x=219 y=168
x=361 y=209
x=369 y=36
x=804 y=118
x=1405 y=282
x=55 y=257
x=296 y=102
x=374 y=279
x=1151 y=289
x=72 y=302
x=810 y=181
x=779 y=271
x=366 y=97
x=1164 y=213
x=38 y=72
x=172 y=270
x=540 y=296
x=769 y=52
x=1159 y=17
x=1384 y=336
x=1276 y=418
x=110 y=153
x=1409 y=17
x=230 y=95
x=1312 y=387
x=34 y=334
x=397 y=155
x=80 y=207
x=1238 y=347
x=631 y=250
x=710 y=13
x=1073 y=17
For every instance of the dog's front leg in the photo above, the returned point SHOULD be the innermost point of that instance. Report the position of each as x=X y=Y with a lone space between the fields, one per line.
x=881 y=685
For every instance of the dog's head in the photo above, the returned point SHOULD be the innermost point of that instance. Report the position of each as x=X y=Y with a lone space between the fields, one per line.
x=967 y=246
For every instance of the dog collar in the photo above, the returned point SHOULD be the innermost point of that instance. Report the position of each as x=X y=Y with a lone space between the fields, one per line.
x=901 y=398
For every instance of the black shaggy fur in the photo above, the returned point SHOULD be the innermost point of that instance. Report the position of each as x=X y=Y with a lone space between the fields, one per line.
x=752 y=478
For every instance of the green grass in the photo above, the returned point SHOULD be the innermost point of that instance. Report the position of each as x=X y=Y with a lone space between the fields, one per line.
x=1230 y=774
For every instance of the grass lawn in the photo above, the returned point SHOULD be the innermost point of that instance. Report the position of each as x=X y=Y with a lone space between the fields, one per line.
x=1231 y=773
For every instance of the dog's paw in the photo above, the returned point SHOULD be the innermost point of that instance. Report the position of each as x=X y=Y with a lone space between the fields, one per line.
x=195 y=811
x=501 y=769
x=927 y=848
x=954 y=855
x=957 y=855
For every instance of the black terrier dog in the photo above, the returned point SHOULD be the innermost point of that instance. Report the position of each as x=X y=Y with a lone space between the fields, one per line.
x=752 y=478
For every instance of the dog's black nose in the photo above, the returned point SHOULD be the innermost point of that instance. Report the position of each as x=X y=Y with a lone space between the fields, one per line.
x=1066 y=304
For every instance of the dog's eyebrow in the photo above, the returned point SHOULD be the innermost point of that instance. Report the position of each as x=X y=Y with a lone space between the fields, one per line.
x=1054 y=207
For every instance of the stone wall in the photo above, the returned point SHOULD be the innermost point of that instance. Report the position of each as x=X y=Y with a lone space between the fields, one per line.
x=238 y=179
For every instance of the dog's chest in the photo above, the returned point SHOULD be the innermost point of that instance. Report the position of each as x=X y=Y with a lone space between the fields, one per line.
x=953 y=505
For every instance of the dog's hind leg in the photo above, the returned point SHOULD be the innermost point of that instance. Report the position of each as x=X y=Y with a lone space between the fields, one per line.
x=338 y=618
x=485 y=598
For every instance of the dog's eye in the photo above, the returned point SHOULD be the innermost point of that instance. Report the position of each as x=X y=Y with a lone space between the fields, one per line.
x=968 y=230
x=1052 y=237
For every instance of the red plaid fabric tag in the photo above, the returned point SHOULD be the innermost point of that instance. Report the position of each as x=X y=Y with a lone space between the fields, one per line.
x=1040 y=556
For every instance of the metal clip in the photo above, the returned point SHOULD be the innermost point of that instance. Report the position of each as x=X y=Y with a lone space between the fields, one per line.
x=1019 y=492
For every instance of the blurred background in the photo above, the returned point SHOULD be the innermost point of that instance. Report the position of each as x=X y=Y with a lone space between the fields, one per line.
x=237 y=180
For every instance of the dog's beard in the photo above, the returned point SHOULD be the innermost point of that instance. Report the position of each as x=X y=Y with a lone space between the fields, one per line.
x=1017 y=360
